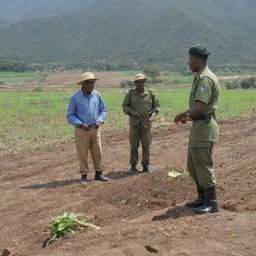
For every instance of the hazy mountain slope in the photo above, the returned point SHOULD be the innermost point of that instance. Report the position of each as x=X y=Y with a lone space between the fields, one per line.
x=13 y=11
x=138 y=30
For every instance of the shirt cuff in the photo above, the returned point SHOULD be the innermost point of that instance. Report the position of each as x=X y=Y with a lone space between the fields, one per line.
x=100 y=120
x=203 y=100
x=78 y=124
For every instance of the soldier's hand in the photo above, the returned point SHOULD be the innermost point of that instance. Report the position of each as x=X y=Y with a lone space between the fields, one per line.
x=183 y=118
x=186 y=118
x=98 y=124
x=153 y=117
x=134 y=114
x=84 y=126
x=178 y=118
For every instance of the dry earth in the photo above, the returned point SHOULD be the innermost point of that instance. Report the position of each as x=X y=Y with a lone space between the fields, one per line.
x=138 y=215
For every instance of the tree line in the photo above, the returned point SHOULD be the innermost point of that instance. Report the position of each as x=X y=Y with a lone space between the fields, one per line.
x=247 y=83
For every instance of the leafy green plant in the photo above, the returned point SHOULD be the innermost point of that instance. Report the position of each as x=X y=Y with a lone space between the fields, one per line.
x=176 y=174
x=66 y=223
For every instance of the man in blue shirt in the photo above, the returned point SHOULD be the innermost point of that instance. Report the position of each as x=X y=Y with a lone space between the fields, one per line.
x=87 y=112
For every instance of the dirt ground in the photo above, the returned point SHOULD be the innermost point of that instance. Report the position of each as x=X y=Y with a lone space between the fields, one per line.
x=70 y=78
x=61 y=81
x=139 y=215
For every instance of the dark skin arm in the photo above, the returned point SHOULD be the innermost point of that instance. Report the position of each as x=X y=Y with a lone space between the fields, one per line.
x=134 y=113
x=153 y=116
x=197 y=110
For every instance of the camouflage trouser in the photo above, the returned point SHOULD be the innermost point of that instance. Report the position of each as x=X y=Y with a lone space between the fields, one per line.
x=138 y=134
x=200 y=164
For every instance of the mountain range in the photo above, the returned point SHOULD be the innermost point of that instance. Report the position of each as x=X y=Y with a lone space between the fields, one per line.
x=141 y=31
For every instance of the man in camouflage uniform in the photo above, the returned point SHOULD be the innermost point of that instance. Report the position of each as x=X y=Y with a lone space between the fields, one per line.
x=142 y=106
x=204 y=132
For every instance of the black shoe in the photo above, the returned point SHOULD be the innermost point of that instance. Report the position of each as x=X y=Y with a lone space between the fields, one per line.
x=211 y=204
x=146 y=168
x=133 y=170
x=99 y=176
x=208 y=207
x=199 y=201
x=84 y=178
x=196 y=203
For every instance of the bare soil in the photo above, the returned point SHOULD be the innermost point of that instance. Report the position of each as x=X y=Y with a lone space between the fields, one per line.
x=139 y=215
x=70 y=78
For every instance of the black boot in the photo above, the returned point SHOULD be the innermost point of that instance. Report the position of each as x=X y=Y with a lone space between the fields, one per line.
x=84 y=178
x=99 y=176
x=199 y=201
x=211 y=203
x=146 y=168
x=133 y=170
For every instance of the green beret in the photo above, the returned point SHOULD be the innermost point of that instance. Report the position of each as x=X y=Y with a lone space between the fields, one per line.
x=199 y=50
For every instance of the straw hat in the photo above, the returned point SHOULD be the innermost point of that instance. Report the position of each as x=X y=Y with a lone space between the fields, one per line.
x=87 y=76
x=139 y=77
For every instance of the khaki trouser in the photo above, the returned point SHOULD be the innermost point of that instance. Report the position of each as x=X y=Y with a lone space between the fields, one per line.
x=138 y=134
x=88 y=141
x=200 y=164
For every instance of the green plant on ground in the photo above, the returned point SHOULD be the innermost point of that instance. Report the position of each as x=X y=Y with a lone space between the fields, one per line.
x=66 y=223
x=176 y=174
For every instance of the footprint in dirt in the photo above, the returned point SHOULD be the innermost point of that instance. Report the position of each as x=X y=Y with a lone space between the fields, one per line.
x=151 y=249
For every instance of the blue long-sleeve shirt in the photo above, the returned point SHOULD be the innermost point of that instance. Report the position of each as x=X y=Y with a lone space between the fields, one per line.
x=86 y=109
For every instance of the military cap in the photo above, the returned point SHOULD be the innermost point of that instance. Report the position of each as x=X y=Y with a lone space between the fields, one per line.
x=199 y=50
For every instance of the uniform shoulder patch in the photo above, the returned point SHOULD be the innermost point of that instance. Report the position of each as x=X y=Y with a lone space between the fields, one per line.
x=202 y=88
x=204 y=85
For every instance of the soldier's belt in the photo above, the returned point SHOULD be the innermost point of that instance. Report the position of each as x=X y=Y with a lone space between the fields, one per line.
x=204 y=117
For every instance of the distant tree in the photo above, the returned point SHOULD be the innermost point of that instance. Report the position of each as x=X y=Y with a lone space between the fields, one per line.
x=235 y=84
x=248 y=83
x=253 y=82
x=2 y=84
x=14 y=66
x=152 y=71
x=126 y=83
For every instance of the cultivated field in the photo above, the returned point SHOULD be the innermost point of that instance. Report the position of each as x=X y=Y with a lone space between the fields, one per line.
x=138 y=215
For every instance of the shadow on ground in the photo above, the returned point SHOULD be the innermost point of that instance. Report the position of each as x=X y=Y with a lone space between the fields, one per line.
x=175 y=213
x=54 y=184
x=121 y=175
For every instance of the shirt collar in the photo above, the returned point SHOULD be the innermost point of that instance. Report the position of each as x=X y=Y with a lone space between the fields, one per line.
x=144 y=93
x=200 y=72
x=82 y=94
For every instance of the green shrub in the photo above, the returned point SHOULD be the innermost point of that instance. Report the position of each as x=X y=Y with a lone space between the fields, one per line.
x=235 y=84
x=126 y=83
x=152 y=71
x=248 y=83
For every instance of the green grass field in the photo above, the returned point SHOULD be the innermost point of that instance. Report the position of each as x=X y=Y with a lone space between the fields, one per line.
x=37 y=119
x=177 y=79
x=20 y=77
